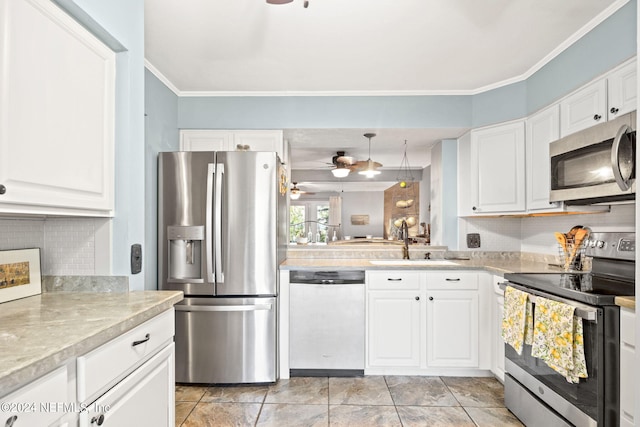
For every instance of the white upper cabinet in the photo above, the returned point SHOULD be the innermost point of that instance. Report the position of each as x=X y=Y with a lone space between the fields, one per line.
x=584 y=108
x=232 y=140
x=497 y=175
x=604 y=99
x=542 y=128
x=622 y=90
x=57 y=86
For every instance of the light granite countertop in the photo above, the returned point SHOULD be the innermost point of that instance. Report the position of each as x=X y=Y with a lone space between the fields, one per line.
x=627 y=302
x=497 y=266
x=42 y=332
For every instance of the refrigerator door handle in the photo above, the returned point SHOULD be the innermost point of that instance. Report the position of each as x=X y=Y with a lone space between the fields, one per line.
x=218 y=224
x=253 y=307
x=208 y=224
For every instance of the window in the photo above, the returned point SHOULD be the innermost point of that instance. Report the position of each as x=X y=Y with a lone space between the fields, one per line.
x=309 y=218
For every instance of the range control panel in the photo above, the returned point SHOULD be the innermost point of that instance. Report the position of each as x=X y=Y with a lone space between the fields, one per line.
x=611 y=245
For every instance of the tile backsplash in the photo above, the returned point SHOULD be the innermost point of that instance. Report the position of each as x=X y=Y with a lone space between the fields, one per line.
x=67 y=244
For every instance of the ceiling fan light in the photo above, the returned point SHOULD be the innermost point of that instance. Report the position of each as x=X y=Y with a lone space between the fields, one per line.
x=370 y=171
x=295 y=196
x=340 y=172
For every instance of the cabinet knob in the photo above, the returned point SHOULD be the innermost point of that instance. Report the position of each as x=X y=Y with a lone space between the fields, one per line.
x=11 y=421
x=614 y=110
x=430 y=298
x=474 y=208
x=597 y=117
x=98 y=420
x=417 y=298
x=3 y=189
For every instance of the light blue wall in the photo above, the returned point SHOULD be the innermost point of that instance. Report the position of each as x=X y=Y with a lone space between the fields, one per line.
x=121 y=22
x=606 y=46
x=603 y=48
x=450 y=192
x=323 y=112
x=161 y=134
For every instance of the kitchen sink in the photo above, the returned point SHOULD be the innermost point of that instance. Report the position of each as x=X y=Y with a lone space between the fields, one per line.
x=412 y=262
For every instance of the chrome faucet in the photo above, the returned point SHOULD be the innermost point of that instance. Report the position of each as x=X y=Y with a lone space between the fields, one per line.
x=404 y=229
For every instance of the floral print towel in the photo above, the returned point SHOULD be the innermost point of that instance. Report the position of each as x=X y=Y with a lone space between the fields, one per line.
x=517 y=319
x=558 y=339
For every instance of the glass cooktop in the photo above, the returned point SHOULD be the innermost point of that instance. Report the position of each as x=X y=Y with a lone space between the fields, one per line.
x=586 y=288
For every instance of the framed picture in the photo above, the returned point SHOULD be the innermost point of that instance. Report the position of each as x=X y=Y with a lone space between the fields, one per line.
x=19 y=274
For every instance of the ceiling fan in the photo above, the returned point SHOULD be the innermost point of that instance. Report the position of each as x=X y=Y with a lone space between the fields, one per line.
x=343 y=164
x=295 y=192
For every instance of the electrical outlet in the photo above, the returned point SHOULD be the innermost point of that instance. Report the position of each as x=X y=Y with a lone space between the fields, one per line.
x=473 y=240
x=136 y=258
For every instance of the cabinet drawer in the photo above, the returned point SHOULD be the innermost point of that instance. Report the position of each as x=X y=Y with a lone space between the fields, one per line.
x=393 y=279
x=109 y=363
x=36 y=404
x=452 y=280
x=627 y=327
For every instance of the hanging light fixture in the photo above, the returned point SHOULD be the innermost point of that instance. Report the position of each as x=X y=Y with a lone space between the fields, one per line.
x=371 y=167
x=340 y=171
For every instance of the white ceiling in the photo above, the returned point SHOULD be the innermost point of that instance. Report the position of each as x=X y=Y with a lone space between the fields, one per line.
x=363 y=47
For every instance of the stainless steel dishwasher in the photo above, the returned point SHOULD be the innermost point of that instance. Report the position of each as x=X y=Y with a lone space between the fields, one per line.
x=327 y=324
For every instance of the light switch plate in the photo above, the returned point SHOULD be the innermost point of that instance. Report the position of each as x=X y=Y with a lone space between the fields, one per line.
x=473 y=240
x=136 y=258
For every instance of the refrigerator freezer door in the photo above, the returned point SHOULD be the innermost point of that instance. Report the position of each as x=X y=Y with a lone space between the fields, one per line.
x=185 y=221
x=246 y=238
x=226 y=340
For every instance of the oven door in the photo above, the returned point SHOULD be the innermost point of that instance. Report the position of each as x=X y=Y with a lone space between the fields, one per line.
x=587 y=403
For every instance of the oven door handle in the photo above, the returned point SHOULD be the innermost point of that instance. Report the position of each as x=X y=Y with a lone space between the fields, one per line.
x=582 y=311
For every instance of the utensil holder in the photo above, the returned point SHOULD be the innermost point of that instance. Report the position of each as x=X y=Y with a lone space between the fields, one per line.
x=572 y=259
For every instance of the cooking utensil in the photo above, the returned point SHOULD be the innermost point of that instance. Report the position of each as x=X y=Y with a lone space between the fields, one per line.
x=562 y=239
x=572 y=233
x=580 y=235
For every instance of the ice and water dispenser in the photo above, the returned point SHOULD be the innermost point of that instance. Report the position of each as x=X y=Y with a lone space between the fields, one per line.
x=185 y=253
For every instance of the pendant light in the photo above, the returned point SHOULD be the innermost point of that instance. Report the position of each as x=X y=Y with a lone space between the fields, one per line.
x=371 y=169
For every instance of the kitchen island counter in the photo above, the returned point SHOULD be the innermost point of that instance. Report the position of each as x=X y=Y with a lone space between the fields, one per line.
x=42 y=332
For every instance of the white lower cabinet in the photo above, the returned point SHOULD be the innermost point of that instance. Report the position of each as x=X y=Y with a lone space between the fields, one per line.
x=130 y=380
x=126 y=382
x=497 y=344
x=627 y=367
x=393 y=314
x=29 y=406
x=144 y=398
x=394 y=328
x=425 y=322
x=452 y=319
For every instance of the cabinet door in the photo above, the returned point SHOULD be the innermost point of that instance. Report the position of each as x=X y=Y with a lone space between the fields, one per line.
x=452 y=329
x=393 y=328
x=584 y=108
x=622 y=90
x=144 y=398
x=256 y=140
x=205 y=140
x=497 y=165
x=57 y=86
x=542 y=128
x=497 y=365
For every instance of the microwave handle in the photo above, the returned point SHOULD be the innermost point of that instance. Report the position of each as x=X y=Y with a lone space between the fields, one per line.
x=615 y=160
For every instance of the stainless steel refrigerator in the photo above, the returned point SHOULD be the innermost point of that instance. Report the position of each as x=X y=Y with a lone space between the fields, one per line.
x=221 y=236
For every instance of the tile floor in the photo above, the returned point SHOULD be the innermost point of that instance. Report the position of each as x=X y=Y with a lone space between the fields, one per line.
x=365 y=401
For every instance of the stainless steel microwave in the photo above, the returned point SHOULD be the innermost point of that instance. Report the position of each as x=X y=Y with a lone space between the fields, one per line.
x=596 y=165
